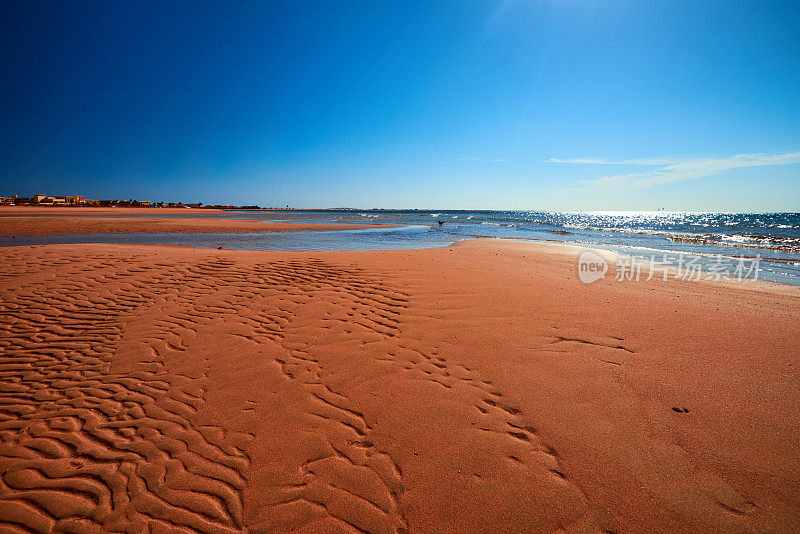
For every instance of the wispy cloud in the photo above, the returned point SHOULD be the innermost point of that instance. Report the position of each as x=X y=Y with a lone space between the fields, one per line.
x=490 y=160
x=591 y=161
x=671 y=171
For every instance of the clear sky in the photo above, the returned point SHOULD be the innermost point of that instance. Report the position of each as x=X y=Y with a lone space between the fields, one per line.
x=501 y=104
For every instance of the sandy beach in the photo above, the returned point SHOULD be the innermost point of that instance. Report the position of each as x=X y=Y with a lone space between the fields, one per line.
x=479 y=387
x=21 y=221
x=434 y=267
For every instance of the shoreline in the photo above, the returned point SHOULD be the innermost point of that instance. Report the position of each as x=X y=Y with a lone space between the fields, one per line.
x=70 y=210
x=43 y=225
x=55 y=226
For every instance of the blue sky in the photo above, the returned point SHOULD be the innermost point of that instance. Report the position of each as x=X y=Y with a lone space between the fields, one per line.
x=506 y=104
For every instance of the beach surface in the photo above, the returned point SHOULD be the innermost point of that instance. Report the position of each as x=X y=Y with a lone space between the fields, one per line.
x=19 y=221
x=479 y=387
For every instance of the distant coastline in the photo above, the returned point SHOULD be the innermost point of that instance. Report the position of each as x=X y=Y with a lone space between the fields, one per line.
x=79 y=201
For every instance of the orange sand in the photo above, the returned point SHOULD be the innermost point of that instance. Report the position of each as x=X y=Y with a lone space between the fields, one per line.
x=475 y=388
x=94 y=210
x=59 y=225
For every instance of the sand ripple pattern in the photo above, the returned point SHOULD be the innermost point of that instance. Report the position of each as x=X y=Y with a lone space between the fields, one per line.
x=88 y=447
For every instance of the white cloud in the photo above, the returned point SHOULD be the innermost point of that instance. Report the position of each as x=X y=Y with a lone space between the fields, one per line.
x=671 y=171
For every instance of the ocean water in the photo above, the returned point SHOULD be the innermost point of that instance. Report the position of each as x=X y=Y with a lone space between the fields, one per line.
x=774 y=238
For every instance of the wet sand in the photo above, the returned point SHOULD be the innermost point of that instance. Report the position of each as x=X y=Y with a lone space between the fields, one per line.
x=51 y=221
x=99 y=210
x=474 y=388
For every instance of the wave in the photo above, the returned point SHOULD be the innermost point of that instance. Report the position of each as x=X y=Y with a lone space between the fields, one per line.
x=767 y=242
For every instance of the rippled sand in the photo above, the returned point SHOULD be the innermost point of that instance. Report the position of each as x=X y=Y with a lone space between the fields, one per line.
x=479 y=387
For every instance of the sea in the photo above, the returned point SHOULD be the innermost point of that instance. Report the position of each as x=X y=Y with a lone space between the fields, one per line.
x=770 y=239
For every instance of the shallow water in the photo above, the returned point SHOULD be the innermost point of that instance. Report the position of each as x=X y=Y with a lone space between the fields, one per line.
x=775 y=238
x=406 y=237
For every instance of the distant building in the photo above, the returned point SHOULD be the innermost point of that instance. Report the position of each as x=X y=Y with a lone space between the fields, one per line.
x=46 y=200
x=78 y=200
